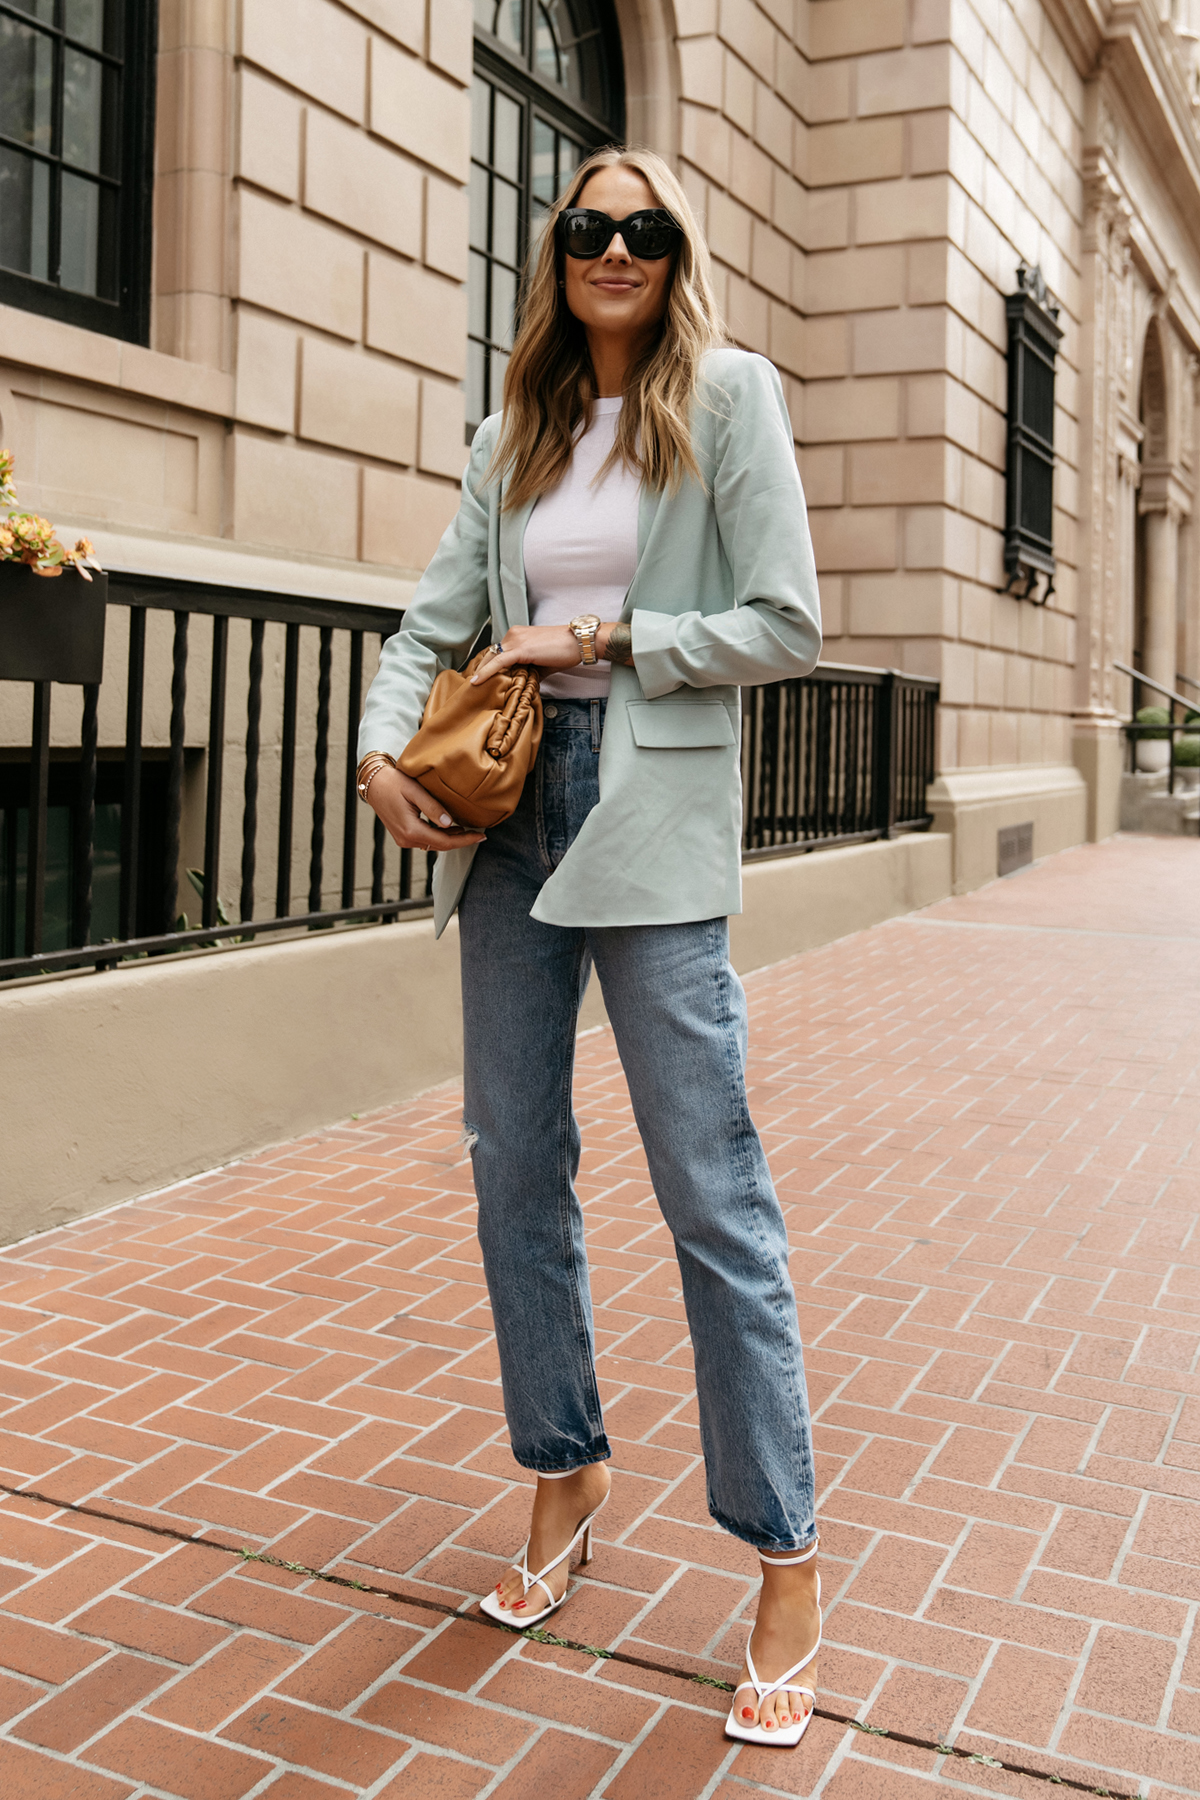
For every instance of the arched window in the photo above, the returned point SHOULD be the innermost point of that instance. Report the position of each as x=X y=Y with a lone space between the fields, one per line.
x=548 y=90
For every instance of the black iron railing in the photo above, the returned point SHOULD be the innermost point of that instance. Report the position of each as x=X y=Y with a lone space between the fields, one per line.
x=841 y=757
x=229 y=757
x=104 y=830
x=1177 y=732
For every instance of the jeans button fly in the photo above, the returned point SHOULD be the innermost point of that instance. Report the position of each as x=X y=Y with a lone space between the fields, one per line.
x=550 y=712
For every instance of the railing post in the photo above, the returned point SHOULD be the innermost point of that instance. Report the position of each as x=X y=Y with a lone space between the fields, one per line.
x=85 y=819
x=250 y=785
x=350 y=798
x=316 y=861
x=287 y=773
x=39 y=799
x=216 y=770
x=131 y=793
x=884 y=772
x=179 y=660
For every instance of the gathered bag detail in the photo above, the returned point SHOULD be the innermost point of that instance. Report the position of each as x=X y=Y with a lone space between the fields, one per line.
x=477 y=744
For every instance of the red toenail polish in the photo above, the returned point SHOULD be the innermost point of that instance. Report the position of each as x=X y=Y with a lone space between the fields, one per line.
x=747 y=1713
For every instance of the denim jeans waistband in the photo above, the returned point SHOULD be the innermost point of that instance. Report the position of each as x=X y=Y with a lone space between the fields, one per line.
x=572 y=715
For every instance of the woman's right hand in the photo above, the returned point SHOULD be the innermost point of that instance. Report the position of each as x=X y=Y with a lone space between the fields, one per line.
x=399 y=801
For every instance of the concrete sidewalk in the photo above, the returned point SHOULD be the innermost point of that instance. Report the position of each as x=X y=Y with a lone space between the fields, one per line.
x=983 y=1122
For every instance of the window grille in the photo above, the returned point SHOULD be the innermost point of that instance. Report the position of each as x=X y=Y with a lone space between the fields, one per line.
x=1033 y=340
x=548 y=91
x=76 y=149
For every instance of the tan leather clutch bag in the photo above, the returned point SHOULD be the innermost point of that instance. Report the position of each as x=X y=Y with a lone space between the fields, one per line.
x=476 y=745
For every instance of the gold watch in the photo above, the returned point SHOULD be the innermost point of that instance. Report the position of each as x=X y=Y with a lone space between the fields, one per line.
x=585 y=626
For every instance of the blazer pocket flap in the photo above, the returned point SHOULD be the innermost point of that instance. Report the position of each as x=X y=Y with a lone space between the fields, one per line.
x=680 y=725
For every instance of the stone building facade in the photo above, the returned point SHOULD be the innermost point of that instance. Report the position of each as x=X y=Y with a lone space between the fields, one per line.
x=870 y=173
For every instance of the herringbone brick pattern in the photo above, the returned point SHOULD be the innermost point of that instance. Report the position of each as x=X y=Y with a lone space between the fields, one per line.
x=983 y=1123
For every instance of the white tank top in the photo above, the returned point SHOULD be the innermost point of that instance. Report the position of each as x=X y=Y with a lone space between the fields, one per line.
x=581 y=547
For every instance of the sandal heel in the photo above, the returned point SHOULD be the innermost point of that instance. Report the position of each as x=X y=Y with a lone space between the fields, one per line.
x=585 y=1549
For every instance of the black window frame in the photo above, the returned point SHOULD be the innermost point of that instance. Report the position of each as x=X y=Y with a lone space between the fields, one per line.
x=128 y=315
x=1034 y=336
x=515 y=75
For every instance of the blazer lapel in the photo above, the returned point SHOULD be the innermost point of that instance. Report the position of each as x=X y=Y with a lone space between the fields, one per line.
x=648 y=503
x=512 y=561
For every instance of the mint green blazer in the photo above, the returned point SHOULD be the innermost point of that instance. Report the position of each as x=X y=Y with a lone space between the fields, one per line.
x=724 y=597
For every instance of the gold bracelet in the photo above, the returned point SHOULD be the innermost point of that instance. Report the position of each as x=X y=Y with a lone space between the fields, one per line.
x=369 y=767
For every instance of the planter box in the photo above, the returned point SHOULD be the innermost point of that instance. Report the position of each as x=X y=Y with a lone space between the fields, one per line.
x=51 y=627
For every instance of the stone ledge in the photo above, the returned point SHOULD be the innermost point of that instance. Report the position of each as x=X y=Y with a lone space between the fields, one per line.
x=50 y=345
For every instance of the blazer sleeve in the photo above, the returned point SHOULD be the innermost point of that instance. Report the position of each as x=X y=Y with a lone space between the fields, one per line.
x=774 y=628
x=442 y=621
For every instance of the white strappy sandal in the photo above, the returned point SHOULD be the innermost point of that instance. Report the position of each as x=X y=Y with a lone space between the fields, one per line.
x=490 y=1604
x=787 y=1736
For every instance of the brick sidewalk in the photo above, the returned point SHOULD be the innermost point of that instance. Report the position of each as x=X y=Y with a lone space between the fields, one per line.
x=983 y=1124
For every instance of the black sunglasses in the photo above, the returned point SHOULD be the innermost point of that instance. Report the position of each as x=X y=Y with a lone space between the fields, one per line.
x=648 y=235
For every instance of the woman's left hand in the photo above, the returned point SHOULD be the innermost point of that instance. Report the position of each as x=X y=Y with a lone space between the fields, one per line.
x=543 y=646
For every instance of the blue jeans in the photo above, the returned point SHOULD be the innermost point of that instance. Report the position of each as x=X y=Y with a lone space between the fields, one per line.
x=678 y=1012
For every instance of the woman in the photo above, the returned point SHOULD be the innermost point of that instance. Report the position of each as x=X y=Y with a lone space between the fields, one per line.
x=633 y=525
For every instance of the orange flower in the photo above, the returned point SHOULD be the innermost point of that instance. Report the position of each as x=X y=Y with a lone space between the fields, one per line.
x=28 y=538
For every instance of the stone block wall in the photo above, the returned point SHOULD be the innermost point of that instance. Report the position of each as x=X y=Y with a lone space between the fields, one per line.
x=870 y=173
x=326 y=250
x=352 y=251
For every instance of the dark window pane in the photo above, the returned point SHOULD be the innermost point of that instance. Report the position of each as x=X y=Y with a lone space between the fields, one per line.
x=84 y=84
x=506 y=140
x=37 y=9
x=504 y=304
x=506 y=222
x=570 y=155
x=26 y=85
x=481 y=123
x=476 y=385
x=480 y=182
x=499 y=362
x=569 y=50
x=503 y=19
x=538 y=221
x=545 y=185
x=477 y=322
x=1039 y=397
x=24 y=215
x=547 y=56
x=87 y=264
x=91 y=22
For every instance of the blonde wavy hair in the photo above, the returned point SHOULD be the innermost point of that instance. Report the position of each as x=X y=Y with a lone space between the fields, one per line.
x=549 y=385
